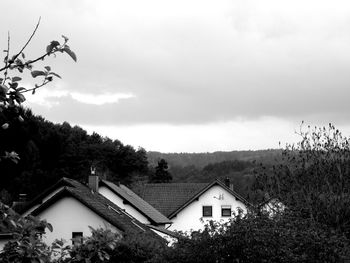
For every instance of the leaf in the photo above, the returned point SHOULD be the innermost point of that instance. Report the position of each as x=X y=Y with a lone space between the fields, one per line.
x=14 y=85
x=65 y=38
x=20 y=98
x=15 y=79
x=49 y=49
x=23 y=56
x=3 y=89
x=70 y=53
x=52 y=45
x=48 y=68
x=5 y=126
x=36 y=73
x=55 y=74
x=49 y=226
x=55 y=43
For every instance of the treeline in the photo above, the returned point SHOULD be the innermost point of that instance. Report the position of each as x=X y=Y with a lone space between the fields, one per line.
x=50 y=151
x=200 y=160
x=239 y=172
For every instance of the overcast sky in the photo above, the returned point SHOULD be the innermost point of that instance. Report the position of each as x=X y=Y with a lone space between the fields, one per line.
x=191 y=76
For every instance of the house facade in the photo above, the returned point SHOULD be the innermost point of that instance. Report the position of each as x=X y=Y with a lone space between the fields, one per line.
x=191 y=206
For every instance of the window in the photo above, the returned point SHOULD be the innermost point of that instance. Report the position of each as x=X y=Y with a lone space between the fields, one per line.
x=77 y=238
x=225 y=210
x=207 y=211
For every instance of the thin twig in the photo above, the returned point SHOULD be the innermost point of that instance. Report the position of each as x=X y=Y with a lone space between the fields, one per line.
x=7 y=56
x=36 y=87
x=30 y=39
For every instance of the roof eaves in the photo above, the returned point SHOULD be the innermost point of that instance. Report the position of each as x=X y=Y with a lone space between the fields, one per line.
x=38 y=199
x=165 y=231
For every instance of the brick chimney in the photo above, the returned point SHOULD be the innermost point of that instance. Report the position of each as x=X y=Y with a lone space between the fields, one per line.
x=227 y=182
x=93 y=180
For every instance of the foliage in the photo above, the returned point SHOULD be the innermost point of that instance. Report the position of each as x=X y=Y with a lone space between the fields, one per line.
x=161 y=174
x=96 y=248
x=259 y=238
x=313 y=178
x=12 y=91
x=26 y=245
x=136 y=248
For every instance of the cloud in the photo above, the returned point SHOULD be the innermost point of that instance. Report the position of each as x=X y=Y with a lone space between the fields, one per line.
x=191 y=62
x=56 y=97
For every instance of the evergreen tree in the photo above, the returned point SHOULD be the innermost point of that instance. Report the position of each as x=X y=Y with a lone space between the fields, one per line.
x=161 y=174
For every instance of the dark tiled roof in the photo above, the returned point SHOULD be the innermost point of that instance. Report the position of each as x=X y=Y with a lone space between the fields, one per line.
x=94 y=201
x=170 y=199
x=137 y=202
x=167 y=198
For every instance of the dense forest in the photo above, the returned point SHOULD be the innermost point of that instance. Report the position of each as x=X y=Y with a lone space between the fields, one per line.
x=50 y=151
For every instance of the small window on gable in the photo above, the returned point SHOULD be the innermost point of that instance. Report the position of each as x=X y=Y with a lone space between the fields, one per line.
x=225 y=210
x=207 y=211
x=77 y=238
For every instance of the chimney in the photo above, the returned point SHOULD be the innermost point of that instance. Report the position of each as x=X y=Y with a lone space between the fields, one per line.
x=231 y=186
x=227 y=182
x=93 y=180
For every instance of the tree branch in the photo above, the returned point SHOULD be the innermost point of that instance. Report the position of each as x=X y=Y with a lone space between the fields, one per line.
x=22 y=49
x=30 y=39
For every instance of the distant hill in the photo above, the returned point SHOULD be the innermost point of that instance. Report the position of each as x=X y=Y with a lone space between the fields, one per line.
x=200 y=160
x=238 y=166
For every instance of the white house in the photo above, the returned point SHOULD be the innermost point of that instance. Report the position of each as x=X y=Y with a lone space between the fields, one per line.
x=189 y=206
x=72 y=207
x=272 y=207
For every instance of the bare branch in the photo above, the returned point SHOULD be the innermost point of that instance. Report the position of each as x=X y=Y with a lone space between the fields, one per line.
x=30 y=39
x=7 y=56
x=22 y=49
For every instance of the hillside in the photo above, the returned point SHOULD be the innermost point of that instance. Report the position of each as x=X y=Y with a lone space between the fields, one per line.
x=238 y=166
x=200 y=160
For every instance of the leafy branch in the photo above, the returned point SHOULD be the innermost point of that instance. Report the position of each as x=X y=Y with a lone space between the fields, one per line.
x=11 y=92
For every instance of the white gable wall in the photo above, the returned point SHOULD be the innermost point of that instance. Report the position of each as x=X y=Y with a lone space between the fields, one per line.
x=2 y=243
x=68 y=215
x=216 y=196
x=106 y=192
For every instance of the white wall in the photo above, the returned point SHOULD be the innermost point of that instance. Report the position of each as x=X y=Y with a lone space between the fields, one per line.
x=190 y=217
x=2 y=243
x=68 y=215
x=119 y=202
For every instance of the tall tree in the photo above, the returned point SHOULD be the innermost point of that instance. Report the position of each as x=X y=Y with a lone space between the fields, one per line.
x=161 y=174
